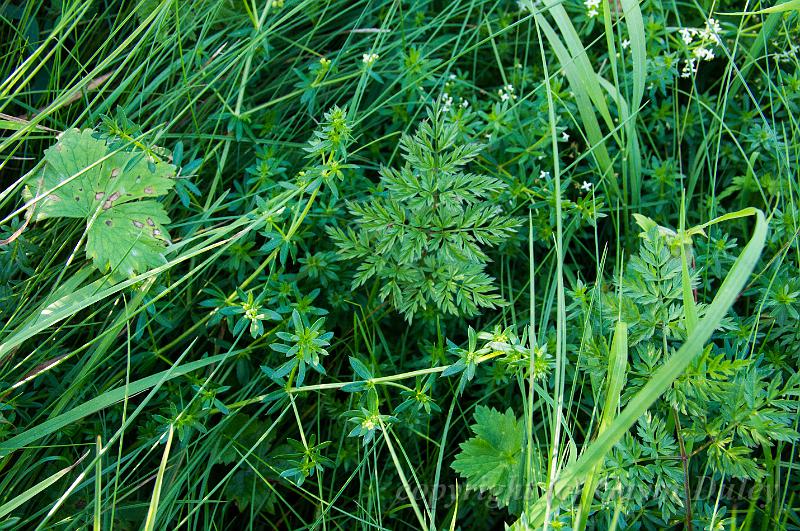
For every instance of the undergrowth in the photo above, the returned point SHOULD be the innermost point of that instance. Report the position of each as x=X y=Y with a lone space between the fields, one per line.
x=399 y=264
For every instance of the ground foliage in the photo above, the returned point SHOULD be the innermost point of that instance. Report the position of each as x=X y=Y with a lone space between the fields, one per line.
x=328 y=264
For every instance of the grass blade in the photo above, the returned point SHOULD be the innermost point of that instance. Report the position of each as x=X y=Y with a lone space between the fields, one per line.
x=101 y=402
x=6 y=508
x=617 y=365
x=152 y=511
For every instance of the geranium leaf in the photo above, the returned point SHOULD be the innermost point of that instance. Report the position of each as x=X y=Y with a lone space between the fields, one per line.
x=114 y=191
x=491 y=461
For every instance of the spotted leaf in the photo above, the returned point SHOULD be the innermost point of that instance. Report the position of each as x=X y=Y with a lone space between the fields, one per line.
x=114 y=191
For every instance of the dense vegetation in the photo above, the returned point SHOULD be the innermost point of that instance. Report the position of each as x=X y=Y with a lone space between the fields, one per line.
x=329 y=264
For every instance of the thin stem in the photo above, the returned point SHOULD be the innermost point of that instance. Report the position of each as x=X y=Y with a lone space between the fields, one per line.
x=403 y=479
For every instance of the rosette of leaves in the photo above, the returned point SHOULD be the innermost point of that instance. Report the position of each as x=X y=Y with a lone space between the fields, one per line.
x=114 y=190
x=425 y=238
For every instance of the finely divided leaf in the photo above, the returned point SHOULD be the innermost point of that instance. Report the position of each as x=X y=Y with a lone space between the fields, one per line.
x=83 y=177
x=492 y=460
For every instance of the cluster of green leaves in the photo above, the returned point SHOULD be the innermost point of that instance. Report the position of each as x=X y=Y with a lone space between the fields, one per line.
x=318 y=212
x=715 y=418
x=425 y=241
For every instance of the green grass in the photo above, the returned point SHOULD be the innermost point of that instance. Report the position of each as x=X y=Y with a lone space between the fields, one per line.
x=616 y=266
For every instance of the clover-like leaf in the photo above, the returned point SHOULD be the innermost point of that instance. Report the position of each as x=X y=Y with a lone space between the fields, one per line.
x=114 y=191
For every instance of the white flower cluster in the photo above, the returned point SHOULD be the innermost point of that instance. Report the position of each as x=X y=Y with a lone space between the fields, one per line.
x=689 y=68
x=700 y=42
x=527 y=6
x=790 y=55
x=507 y=93
x=369 y=58
x=447 y=102
x=592 y=7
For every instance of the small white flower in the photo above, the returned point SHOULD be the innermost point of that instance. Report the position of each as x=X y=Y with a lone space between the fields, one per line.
x=464 y=103
x=526 y=5
x=507 y=93
x=452 y=76
x=711 y=31
x=626 y=43
x=592 y=13
x=704 y=53
x=447 y=102
x=565 y=137
x=689 y=69
x=544 y=174
x=687 y=35
x=369 y=58
x=586 y=186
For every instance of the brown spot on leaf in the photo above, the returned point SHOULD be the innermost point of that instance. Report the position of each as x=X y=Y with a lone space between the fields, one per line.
x=138 y=224
x=148 y=189
x=110 y=201
x=156 y=233
x=108 y=222
x=98 y=196
x=115 y=172
x=150 y=222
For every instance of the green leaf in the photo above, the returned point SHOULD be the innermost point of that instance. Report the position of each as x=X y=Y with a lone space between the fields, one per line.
x=617 y=366
x=85 y=178
x=791 y=5
x=491 y=461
